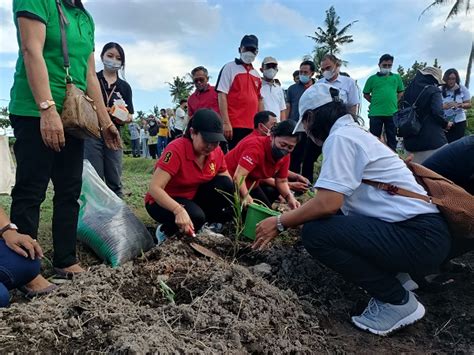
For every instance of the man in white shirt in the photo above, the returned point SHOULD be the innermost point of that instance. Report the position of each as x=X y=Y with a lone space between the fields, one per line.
x=271 y=91
x=348 y=91
x=181 y=118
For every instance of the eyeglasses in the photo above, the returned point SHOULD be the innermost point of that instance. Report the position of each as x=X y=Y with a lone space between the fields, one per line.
x=386 y=65
x=199 y=80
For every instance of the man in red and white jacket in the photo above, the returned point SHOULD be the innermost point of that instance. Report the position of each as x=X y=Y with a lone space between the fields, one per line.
x=238 y=87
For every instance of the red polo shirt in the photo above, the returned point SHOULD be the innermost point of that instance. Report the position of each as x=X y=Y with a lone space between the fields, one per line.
x=203 y=99
x=255 y=155
x=242 y=84
x=179 y=161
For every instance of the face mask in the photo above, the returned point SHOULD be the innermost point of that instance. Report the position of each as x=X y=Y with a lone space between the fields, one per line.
x=278 y=153
x=270 y=73
x=248 y=57
x=328 y=74
x=111 y=64
x=304 y=79
x=384 y=71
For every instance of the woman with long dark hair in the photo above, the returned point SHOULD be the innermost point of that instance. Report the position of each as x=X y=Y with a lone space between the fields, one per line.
x=456 y=99
x=361 y=232
x=117 y=96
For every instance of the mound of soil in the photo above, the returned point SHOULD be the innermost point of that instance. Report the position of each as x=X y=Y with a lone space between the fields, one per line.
x=175 y=300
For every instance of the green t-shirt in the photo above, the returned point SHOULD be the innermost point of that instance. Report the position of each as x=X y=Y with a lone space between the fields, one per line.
x=384 y=90
x=80 y=37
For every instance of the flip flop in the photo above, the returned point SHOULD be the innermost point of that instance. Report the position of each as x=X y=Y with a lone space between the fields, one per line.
x=30 y=294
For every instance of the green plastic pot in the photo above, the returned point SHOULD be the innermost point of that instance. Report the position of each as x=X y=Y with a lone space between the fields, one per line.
x=255 y=214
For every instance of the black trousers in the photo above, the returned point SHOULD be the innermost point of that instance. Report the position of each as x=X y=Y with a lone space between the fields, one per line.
x=265 y=193
x=370 y=252
x=376 y=125
x=208 y=205
x=237 y=135
x=153 y=150
x=36 y=166
x=456 y=131
x=311 y=154
x=297 y=154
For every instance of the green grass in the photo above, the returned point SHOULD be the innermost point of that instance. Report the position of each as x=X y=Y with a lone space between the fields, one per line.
x=136 y=177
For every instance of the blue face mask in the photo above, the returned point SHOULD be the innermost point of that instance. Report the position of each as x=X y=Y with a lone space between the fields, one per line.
x=304 y=79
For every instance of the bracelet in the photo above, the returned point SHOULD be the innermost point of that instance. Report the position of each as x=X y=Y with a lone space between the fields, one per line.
x=107 y=127
x=177 y=207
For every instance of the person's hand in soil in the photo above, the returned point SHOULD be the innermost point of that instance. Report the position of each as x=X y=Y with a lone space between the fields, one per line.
x=298 y=186
x=183 y=221
x=292 y=202
x=22 y=244
x=266 y=231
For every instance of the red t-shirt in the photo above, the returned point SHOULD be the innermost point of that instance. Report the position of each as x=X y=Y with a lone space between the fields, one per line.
x=203 y=99
x=242 y=84
x=179 y=161
x=255 y=155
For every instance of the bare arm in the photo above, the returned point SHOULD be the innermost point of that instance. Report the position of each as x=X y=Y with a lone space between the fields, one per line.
x=288 y=109
x=222 y=98
x=260 y=105
x=399 y=95
x=368 y=97
x=284 y=190
x=353 y=109
x=240 y=176
x=32 y=36
x=283 y=115
x=157 y=190
x=326 y=203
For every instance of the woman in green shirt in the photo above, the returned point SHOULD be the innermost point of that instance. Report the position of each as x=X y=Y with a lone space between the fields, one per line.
x=43 y=151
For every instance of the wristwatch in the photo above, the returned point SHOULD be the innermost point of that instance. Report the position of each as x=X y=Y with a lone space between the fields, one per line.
x=43 y=106
x=280 y=226
x=9 y=226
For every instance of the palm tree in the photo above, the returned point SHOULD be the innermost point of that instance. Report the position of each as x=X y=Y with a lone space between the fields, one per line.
x=331 y=38
x=180 y=88
x=455 y=9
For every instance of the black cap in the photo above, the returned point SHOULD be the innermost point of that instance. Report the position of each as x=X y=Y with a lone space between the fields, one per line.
x=249 y=41
x=208 y=123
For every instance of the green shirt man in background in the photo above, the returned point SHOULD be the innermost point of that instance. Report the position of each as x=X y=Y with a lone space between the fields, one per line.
x=383 y=90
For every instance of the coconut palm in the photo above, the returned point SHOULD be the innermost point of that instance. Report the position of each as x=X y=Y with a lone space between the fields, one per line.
x=457 y=7
x=180 y=88
x=331 y=38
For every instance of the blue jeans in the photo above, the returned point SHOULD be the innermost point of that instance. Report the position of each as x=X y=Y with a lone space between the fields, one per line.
x=135 y=147
x=370 y=252
x=15 y=271
x=161 y=145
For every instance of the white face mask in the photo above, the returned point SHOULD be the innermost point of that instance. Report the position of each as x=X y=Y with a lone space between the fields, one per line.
x=384 y=71
x=328 y=74
x=248 y=57
x=270 y=73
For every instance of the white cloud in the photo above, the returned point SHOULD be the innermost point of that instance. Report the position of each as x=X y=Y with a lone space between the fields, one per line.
x=149 y=65
x=364 y=41
x=286 y=69
x=282 y=16
x=8 y=43
x=360 y=72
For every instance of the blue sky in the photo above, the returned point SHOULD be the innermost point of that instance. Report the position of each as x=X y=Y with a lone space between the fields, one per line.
x=163 y=39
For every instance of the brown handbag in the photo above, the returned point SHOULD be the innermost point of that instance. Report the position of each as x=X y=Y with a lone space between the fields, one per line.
x=455 y=203
x=79 y=114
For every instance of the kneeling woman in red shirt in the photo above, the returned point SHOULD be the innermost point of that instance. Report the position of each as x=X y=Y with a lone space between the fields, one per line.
x=183 y=191
x=259 y=158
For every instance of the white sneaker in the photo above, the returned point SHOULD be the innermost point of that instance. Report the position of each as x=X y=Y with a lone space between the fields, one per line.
x=383 y=318
x=407 y=282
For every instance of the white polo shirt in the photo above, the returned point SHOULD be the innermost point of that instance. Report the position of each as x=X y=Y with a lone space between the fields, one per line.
x=348 y=90
x=273 y=98
x=351 y=154
x=456 y=115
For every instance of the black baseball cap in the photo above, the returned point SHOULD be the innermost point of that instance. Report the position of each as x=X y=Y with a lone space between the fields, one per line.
x=208 y=123
x=249 y=41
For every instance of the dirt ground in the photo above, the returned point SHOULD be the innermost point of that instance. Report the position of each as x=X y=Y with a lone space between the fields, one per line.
x=277 y=301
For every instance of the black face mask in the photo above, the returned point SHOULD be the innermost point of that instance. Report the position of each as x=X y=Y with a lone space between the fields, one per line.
x=279 y=153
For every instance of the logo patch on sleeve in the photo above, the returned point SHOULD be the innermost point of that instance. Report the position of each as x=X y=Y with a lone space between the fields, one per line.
x=167 y=157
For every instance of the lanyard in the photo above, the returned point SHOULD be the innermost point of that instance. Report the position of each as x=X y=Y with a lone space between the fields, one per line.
x=109 y=96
